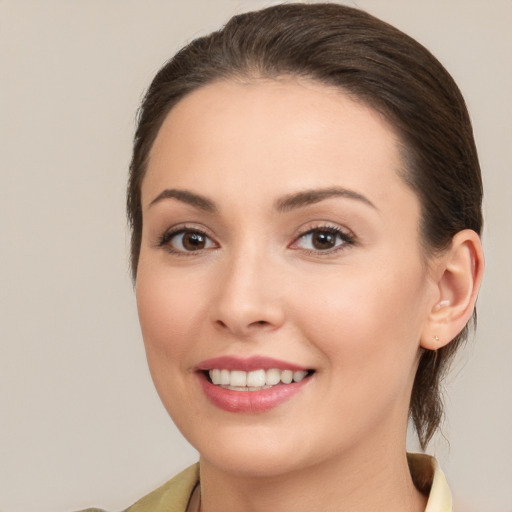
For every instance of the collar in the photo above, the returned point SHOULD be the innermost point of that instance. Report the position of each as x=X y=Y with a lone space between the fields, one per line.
x=429 y=479
x=177 y=493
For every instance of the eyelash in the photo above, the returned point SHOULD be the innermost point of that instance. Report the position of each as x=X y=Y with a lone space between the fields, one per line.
x=166 y=239
x=347 y=240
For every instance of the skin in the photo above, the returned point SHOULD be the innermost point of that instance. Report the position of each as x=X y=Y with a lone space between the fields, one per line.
x=355 y=314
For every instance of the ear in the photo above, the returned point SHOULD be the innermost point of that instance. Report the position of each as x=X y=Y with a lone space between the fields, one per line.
x=457 y=273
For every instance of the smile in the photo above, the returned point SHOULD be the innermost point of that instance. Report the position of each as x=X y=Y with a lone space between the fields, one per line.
x=255 y=380
x=251 y=385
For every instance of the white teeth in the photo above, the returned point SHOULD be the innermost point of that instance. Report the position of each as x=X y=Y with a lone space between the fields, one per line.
x=215 y=376
x=286 y=376
x=256 y=379
x=225 y=377
x=272 y=377
x=238 y=379
x=298 y=376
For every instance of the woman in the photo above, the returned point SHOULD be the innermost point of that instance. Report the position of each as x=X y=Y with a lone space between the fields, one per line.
x=305 y=203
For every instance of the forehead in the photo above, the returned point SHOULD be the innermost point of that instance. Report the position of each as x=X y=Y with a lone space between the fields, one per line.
x=264 y=135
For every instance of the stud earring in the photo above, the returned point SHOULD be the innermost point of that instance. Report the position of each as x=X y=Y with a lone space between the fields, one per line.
x=436 y=337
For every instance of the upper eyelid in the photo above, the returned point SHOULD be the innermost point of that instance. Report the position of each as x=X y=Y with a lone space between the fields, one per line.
x=173 y=231
x=337 y=232
x=187 y=226
x=311 y=226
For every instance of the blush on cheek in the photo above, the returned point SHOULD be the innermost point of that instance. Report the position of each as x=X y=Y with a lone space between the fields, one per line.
x=360 y=320
x=169 y=318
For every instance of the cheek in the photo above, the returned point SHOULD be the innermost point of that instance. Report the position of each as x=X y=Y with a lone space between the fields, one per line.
x=366 y=321
x=169 y=312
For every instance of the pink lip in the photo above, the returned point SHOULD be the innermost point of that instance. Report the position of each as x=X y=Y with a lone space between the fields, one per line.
x=247 y=365
x=248 y=401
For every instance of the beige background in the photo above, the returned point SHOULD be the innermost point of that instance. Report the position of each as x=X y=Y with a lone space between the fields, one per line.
x=80 y=423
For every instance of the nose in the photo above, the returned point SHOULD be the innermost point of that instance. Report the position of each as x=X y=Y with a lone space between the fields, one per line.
x=248 y=299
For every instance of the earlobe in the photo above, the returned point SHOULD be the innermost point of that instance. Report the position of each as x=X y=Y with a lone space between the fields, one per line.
x=459 y=273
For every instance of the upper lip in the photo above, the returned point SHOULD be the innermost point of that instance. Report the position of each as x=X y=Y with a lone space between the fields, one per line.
x=247 y=364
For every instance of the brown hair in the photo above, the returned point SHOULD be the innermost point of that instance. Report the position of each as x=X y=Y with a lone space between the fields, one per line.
x=378 y=65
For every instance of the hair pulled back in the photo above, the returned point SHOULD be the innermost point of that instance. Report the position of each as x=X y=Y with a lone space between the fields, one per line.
x=377 y=65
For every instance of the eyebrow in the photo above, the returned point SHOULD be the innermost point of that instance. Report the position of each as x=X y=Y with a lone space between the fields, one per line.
x=307 y=197
x=185 y=196
x=284 y=204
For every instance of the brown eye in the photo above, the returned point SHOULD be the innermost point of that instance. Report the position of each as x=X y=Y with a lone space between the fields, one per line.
x=193 y=241
x=187 y=240
x=323 y=240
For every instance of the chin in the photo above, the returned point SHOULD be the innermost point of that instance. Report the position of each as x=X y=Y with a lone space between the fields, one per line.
x=248 y=450
x=252 y=463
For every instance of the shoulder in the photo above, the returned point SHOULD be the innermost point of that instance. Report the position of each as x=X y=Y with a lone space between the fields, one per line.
x=173 y=495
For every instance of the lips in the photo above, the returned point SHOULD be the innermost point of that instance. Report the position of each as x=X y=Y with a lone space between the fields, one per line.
x=251 y=385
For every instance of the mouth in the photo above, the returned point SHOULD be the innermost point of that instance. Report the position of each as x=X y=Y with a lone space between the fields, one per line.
x=254 y=380
x=251 y=385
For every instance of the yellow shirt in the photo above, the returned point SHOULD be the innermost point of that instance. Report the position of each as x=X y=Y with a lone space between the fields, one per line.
x=174 y=495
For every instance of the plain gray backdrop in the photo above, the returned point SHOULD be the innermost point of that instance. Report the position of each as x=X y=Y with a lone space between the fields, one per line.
x=80 y=423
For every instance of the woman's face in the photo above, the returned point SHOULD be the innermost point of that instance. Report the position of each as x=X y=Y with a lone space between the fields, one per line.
x=279 y=243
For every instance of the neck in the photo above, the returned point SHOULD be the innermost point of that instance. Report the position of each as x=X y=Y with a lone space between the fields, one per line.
x=379 y=480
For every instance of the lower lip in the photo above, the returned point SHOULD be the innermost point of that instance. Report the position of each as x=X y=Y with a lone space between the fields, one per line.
x=250 y=401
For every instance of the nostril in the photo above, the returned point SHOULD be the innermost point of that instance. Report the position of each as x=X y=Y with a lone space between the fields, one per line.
x=259 y=324
x=222 y=324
